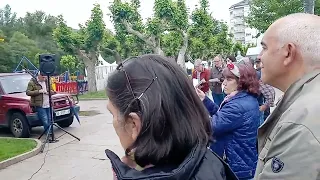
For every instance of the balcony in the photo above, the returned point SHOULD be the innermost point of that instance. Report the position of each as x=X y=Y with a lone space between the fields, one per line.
x=239 y=30
x=238 y=22
x=239 y=38
x=238 y=14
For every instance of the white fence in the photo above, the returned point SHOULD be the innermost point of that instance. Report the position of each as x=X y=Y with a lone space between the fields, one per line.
x=102 y=74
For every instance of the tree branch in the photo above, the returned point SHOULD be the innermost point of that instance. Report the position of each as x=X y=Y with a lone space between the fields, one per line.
x=138 y=34
x=114 y=53
x=185 y=41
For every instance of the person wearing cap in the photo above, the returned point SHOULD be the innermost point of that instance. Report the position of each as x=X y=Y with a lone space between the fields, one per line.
x=236 y=121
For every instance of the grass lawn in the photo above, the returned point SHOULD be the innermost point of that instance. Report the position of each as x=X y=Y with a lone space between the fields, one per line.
x=93 y=95
x=10 y=147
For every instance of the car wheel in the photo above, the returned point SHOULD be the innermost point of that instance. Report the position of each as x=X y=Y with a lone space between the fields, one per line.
x=19 y=126
x=66 y=123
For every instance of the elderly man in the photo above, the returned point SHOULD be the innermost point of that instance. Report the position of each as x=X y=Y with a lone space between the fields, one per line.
x=202 y=74
x=216 y=80
x=289 y=140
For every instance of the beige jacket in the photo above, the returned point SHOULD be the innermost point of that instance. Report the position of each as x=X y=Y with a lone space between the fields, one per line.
x=289 y=140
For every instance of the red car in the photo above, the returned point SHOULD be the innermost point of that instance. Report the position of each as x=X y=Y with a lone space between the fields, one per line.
x=15 y=110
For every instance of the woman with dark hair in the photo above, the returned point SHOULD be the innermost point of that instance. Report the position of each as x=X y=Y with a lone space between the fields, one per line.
x=231 y=59
x=161 y=123
x=236 y=121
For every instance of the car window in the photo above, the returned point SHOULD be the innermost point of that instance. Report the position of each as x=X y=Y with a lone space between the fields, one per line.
x=15 y=84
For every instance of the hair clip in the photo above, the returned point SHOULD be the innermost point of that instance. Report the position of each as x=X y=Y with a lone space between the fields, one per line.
x=234 y=69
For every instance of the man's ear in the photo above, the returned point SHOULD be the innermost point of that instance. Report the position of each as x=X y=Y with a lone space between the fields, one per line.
x=135 y=124
x=290 y=53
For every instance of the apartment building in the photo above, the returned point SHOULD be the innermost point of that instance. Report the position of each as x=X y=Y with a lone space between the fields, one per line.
x=238 y=27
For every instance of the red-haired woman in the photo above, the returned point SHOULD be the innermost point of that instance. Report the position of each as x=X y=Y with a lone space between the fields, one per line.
x=236 y=121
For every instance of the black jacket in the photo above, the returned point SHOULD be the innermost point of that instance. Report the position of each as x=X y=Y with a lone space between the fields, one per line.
x=200 y=164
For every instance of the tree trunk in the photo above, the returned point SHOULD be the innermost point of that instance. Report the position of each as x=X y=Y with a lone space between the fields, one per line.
x=158 y=50
x=309 y=6
x=117 y=57
x=89 y=61
x=182 y=52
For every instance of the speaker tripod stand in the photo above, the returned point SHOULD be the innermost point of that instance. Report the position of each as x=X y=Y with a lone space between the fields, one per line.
x=50 y=138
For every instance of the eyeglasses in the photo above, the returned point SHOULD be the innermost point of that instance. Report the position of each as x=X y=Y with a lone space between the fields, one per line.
x=120 y=67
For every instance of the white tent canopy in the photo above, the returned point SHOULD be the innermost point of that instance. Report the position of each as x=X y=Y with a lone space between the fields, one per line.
x=189 y=65
x=102 y=62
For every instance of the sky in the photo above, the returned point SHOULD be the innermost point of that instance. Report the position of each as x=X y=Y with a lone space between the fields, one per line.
x=79 y=11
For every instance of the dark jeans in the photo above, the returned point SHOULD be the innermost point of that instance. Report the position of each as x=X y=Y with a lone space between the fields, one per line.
x=217 y=98
x=44 y=116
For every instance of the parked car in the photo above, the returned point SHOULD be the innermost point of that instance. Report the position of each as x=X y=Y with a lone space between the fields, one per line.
x=16 y=112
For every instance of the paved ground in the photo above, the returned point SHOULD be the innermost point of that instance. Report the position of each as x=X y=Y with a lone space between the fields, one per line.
x=70 y=159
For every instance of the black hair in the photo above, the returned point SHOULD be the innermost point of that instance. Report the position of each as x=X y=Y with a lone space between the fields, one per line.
x=232 y=58
x=173 y=118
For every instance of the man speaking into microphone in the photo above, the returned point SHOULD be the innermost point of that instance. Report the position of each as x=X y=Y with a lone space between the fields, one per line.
x=37 y=90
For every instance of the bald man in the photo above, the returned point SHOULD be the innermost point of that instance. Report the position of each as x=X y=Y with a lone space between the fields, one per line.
x=289 y=140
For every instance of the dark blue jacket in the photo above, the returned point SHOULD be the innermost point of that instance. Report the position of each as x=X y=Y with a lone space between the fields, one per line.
x=200 y=164
x=235 y=128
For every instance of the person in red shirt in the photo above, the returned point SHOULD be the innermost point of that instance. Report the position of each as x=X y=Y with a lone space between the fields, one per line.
x=202 y=74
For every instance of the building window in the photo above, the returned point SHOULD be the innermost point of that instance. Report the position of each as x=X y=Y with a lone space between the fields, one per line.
x=248 y=34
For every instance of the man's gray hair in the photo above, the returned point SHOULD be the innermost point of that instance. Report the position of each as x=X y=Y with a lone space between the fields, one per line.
x=304 y=31
x=197 y=62
x=219 y=56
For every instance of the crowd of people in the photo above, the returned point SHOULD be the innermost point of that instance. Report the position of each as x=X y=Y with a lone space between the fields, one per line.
x=213 y=78
x=171 y=129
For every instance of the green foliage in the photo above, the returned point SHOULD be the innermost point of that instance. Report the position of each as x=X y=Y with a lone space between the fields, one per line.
x=27 y=36
x=66 y=38
x=208 y=37
x=168 y=16
x=171 y=43
x=95 y=29
x=239 y=47
x=8 y=21
x=131 y=45
x=88 y=38
x=264 y=13
x=68 y=62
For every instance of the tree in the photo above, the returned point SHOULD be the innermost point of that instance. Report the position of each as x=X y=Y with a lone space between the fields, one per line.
x=111 y=47
x=5 y=55
x=208 y=37
x=68 y=62
x=27 y=36
x=85 y=43
x=39 y=26
x=168 y=16
x=126 y=17
x=8 y=21
x=264 y=13
x=239 y=47
x=21 y=45
x=309 y=6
